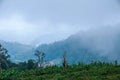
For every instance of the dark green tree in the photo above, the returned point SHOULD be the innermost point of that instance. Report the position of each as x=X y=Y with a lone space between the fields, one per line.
x=4 y=58
x=22 y=65
x=31 y=64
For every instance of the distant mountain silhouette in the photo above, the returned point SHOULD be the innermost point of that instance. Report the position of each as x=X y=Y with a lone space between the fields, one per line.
x=75 y=48
x=81 y=47
x=18 y=52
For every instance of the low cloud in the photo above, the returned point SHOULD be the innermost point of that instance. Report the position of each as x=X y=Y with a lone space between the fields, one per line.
x=103 y=40
x=38 y=21
x=16 y=29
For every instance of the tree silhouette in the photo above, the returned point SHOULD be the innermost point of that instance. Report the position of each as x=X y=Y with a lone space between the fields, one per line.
x=64 y=60
x=41 y=56
x=31 y=64
x=4 y=57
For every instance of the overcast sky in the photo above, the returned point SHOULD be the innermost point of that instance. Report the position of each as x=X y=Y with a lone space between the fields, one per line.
x=45 y=21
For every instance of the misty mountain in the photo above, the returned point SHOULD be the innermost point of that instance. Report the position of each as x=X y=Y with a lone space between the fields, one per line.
x=18 y=52
x=76 y=51
x=97 y=44
x=91 y=45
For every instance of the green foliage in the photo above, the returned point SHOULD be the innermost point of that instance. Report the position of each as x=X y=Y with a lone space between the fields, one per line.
x=29 y=71
x=94 y=71
x=30 y=64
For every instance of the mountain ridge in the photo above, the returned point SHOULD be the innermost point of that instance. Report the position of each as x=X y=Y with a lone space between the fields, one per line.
x=80 y=47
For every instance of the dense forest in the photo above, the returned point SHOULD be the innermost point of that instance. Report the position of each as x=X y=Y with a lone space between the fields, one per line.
x=30 y=70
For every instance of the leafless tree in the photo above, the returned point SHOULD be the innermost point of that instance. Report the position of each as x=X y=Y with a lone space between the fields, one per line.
x=41 y=56
x=64 y=60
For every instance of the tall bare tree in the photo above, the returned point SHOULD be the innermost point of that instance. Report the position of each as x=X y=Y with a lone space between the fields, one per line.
x=41 y=56
x=64 y=60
